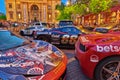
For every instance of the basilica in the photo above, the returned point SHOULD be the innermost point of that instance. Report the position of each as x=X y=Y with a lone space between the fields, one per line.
x=32 y=10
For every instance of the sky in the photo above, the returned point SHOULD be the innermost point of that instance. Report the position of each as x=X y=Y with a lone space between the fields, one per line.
x=2 y=5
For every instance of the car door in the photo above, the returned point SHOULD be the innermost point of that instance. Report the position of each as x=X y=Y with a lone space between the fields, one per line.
x=55 y=36
x=29 y=31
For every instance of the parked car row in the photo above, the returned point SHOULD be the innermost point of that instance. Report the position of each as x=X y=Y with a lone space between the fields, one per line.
x=20 y=58
x=115 y=28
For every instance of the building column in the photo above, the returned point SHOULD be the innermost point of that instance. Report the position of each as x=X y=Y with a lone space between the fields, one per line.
x=25 y=13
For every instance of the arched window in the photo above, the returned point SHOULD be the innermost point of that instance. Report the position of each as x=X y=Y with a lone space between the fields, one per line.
x=34 y=7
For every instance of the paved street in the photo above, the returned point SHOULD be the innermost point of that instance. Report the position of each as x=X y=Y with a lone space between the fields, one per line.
x=74 y=71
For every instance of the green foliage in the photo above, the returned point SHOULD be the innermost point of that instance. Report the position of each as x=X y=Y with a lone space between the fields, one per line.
x=60 y=7
x=96 y=6
x=65 y=12
x=80 y=8
x=2 y=17
x=64 y=15
x=83 y=7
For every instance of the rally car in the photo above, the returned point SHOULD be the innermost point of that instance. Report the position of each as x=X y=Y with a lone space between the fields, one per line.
x=99 y=55
x=22 y=59
x=62 y=36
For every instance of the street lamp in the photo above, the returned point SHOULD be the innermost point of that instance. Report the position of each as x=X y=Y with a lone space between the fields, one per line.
x=68 y=3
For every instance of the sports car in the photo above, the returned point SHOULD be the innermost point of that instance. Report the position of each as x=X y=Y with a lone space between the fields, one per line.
x=99 y=55
x=22 y=59
x=62 y=36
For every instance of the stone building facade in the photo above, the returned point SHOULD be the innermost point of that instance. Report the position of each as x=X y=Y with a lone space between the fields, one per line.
x=32 y=10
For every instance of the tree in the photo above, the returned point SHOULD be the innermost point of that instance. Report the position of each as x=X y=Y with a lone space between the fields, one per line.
x=79 y=8
x=65 y=12
x=60 y=7
x=2 y=17
x=96 y=6
x=83 y=7
x=82 y=1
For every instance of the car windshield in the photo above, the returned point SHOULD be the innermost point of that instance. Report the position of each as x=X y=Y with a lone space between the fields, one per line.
x=66 y=23
x=9 y=40
x=44 y=24
x=101 y=30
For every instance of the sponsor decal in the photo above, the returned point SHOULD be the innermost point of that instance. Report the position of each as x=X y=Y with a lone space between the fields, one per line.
x=42 y=54
x=108 y=48
x=94 y=58
x=55 y=36
x=7 y=54
x=17 y=65
x=37 y=71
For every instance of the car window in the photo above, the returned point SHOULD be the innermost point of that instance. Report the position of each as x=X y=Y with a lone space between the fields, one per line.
x=8 y=40
x=66 y=23
x=101 y=30
x=37 y=23
x=30 y=28
x=44 y=24
x=39 y=27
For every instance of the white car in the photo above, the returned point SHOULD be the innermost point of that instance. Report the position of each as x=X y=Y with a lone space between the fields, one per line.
x=30 y=30
x=37 y=24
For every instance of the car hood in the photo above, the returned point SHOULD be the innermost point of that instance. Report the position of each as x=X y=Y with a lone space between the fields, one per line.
x=36 y=58
x=96 y=39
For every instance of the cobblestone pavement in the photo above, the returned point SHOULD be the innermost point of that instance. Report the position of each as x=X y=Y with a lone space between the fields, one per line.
x=74 y=71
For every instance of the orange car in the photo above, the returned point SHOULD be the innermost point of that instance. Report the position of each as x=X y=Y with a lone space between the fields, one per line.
x=22 y=59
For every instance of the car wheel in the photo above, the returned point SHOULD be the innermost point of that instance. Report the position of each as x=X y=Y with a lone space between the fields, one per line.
x=43 y=38
x=22 y=33
x=108 y=69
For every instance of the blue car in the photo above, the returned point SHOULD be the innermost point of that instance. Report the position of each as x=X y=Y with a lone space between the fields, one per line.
x=62 y=36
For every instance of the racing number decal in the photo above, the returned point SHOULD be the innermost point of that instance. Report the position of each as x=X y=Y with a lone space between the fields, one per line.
x=69 y=39
x=73 y=39
x=65 y=39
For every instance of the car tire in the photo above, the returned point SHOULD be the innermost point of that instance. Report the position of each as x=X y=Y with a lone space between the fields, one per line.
x=22 y=33
x=108 y=69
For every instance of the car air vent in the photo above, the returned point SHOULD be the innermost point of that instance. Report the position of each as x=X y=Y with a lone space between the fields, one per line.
x=82 y=47
x=104 y=40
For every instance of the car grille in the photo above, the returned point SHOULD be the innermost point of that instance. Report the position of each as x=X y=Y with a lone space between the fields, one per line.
x=82 y=47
